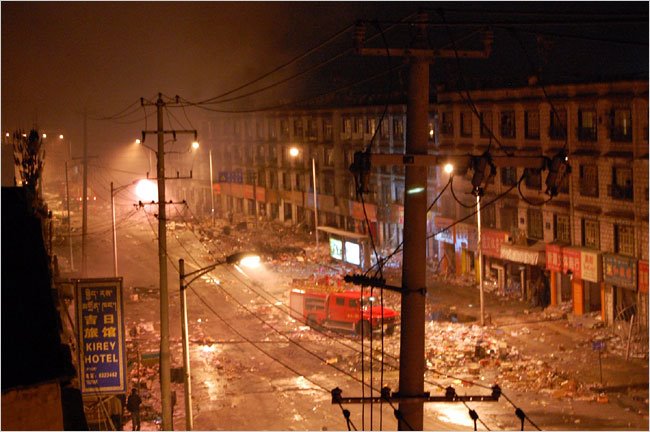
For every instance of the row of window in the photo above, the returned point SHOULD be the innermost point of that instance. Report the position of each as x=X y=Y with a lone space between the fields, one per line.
x=620 y=124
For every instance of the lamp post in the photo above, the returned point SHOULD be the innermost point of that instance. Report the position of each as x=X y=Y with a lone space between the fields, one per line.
x=145 y=190
x=294 y=152
x=246 y=259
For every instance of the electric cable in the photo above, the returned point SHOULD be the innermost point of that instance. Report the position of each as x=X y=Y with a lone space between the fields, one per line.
x=468 y=97
x=280 y=67
x=451 y=184
x=266 y=323
x=526 y=200
x=297 y=102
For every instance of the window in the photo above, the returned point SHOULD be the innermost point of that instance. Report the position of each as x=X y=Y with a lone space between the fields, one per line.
x=508 y=124
x=286 y=180
x=371 y=125
x=340 y=301
x=384 y=128
x=509 y=176
x=587 y=125
x=557 y=128
x=398 y=128
x=273 y=134
x=297 y=129
x=589 y=180
x=533 y=178
x=447 y=123
x=624 y=239
x=328 y=130
x=300 y=183
x=273 y=180
x=486 y=124
x=509 y=218
x=327 y=184
x=329 y=157
x=466 y=124
x=621 y=124
x=562 y=229
x=312 y=129
x=346 y=128
x=358 y=126
x=531 y=120
x=621 y=187
x=488 y=216
x=284 y=129
x=535 y=224
x=260 y=129
x=590 y=234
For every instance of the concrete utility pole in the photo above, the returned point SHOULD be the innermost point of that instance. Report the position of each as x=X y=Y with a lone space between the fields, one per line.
x=165 y=361
x=411 y=373
x=84 y=205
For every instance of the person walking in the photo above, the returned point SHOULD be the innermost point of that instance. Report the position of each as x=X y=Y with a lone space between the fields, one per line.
x=133 y=405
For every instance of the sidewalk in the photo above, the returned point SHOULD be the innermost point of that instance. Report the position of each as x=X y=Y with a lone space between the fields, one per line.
x=556 y=351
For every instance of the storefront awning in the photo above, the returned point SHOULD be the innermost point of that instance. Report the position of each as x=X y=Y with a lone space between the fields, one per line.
x=343 y=233
x=532 y=255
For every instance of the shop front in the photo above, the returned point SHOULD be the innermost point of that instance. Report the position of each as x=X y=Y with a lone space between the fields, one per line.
x=584 y=270
x=621 y=287
x=349 y=247
x=448 y=262
x=494 y=266
x=465 y=245
x=525 y=266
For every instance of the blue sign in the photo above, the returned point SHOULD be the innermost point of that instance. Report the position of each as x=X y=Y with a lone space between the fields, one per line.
x=231 y=177
x=598 y=345
x=100 y=330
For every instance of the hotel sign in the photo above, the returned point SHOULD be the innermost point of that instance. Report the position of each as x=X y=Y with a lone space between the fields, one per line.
x=100 y=327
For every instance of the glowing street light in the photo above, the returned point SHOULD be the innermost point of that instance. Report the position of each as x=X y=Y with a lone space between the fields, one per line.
x=245 y=259
x=195 y=145
x=448 y=168
x=146 y=190
x=61 y=136
x=294 y=152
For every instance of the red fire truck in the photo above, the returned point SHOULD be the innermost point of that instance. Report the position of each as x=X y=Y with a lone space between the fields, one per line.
x=341 y=311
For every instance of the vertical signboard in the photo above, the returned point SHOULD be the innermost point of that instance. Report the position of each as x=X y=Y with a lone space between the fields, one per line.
x=352 y=253
x=100 y=330
x=336 y=248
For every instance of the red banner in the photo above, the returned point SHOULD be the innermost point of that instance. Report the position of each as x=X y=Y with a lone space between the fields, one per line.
x=643 y=276
x=491 y=241
x=554 y=257
x=571 y=262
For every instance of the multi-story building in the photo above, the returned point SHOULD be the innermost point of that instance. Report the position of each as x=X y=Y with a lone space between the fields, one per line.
x=589 y=243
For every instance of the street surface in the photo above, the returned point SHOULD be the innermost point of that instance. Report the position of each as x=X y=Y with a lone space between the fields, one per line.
x=254 y=367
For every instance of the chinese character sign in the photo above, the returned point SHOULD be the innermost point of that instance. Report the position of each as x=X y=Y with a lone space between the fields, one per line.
x=100 y=329
x=554 y=257
x=620 y=271
x=571 y=261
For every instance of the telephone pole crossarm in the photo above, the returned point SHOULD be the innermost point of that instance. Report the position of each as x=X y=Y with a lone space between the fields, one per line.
x=389 y=396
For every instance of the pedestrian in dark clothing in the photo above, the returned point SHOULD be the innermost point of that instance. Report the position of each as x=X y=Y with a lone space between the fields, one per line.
x=133 y=405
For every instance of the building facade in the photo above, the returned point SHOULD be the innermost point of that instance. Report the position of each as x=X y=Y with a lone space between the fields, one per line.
x=588 y=244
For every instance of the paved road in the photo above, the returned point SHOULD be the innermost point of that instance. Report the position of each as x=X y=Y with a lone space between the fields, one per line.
x=254 y=368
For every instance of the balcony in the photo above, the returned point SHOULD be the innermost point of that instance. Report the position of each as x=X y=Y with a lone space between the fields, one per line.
x=587 y=134
x=620 y=134
x=588 y=189
x=618 y=192
x=557 y=132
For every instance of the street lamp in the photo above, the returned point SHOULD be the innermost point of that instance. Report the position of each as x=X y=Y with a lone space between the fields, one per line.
x=294 y=152
x=449 y=168
x=246 y=259
x=145 y=190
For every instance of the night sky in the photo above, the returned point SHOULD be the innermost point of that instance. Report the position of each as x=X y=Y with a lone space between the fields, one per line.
x=59 y=58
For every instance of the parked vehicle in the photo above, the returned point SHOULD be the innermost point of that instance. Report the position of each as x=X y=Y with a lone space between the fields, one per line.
x=341 y=311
